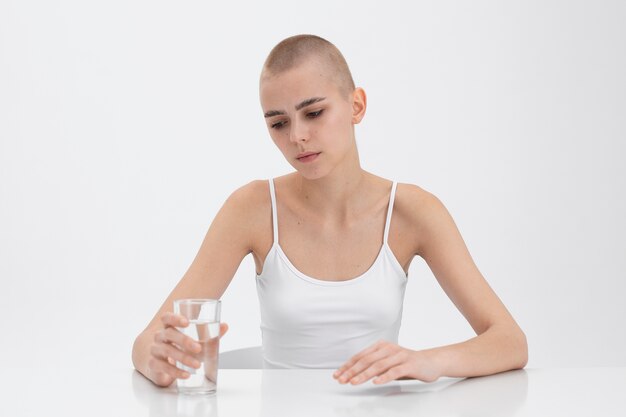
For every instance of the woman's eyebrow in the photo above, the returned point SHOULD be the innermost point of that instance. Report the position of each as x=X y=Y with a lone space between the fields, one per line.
x=299 y=106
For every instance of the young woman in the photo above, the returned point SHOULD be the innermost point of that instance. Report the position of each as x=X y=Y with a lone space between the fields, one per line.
x=332 y=245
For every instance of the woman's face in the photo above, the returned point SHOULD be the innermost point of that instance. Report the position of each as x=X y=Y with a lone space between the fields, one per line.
x=305 y=112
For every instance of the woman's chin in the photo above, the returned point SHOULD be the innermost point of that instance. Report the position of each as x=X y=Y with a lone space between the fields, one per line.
x=308 y=172
x=311 y=174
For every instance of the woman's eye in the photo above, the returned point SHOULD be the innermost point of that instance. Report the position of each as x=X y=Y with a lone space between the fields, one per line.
x=314 y=114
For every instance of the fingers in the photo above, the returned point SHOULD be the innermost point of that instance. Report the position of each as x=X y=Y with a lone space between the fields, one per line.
x=171 y=346
x=370 y=365
x=164 y=372
x=384 y=359
x=377 y=368
x=356 y=358
x=176 y=320
x=393 y=373
x=223 y=329
x=170 y=319
x=171 y=335
x=170 y=354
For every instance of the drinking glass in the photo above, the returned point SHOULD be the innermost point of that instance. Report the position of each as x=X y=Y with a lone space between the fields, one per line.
x=204 y=327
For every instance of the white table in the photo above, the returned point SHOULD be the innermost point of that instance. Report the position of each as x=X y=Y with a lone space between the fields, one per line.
x=274 y=393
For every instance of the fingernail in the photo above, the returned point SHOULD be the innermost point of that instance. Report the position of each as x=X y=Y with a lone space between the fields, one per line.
x=197 y=347
x=185 y=374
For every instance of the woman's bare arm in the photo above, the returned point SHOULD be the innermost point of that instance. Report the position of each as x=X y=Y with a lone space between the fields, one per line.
x=500 y=344
x=227 y=242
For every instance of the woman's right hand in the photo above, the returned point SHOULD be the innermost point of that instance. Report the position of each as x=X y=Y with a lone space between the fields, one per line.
x=169 y=346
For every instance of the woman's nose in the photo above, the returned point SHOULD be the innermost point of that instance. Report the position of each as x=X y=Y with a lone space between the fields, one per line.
x=298 y=132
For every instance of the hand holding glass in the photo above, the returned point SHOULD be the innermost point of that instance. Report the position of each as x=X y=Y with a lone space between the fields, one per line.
x=204 y=327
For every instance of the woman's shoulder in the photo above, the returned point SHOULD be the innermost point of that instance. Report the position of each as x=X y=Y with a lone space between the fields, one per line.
x=415 y=205
x=251 y=196
x=249 y=207
x=414 y=210
x=255 y=195
x=413 y=196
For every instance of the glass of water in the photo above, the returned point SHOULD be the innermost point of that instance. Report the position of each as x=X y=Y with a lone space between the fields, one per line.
x=204 y=327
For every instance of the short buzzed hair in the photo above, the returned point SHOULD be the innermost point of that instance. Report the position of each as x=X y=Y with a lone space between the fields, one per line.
x=293 y=51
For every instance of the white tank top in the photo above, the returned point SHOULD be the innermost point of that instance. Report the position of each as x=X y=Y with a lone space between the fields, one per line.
x=311 y=323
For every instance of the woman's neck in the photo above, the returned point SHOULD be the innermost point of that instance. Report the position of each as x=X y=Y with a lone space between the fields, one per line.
x=336 y=197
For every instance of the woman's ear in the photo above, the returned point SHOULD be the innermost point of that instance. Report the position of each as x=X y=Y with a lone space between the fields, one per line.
x=359 y=104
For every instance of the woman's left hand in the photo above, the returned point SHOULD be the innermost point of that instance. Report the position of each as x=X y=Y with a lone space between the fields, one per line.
x=386 y=361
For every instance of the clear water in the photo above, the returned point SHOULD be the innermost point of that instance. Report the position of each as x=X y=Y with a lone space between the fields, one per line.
x=203 y=379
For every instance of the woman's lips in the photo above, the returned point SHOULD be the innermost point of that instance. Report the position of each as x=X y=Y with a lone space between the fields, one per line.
x=309 y=158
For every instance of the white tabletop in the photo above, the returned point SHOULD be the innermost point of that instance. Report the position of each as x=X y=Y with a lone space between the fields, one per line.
x=272 y=393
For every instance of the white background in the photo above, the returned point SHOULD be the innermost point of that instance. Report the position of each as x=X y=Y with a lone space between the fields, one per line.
x=124 y=125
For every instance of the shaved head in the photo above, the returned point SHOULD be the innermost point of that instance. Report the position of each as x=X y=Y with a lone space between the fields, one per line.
x=297 y=50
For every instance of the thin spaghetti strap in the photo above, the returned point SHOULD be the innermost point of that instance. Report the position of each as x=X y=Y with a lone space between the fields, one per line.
x=274 y=216
x=392 y=197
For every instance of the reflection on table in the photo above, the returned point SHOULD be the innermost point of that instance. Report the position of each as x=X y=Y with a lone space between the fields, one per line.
x=85 y=388
x=272 y=392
